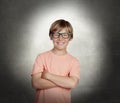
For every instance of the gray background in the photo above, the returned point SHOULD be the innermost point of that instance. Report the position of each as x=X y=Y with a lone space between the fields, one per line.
x=15 y=66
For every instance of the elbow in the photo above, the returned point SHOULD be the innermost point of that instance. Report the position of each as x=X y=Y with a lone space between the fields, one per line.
x=37 y=85
x=74 y=84
x=34 y=85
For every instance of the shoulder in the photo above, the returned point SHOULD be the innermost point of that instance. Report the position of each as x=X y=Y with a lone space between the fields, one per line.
x=43 y=54
x=73 y=58
x=74 y=62
x=41 y=57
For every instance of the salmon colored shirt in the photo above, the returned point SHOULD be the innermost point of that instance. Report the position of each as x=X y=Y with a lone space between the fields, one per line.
x=65 y=65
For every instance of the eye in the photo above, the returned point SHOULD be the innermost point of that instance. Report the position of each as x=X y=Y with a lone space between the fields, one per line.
x=56 y=34
x=65 y=35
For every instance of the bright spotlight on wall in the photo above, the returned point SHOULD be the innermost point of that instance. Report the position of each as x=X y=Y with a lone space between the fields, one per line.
x=86 y=45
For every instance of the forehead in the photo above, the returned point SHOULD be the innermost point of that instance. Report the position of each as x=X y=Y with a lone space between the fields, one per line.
x=63 y=30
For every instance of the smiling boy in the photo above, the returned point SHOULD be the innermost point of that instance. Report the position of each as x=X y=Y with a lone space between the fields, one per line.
x=56 y=72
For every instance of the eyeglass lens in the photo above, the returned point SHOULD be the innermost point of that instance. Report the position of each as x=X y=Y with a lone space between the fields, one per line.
x=64 y=35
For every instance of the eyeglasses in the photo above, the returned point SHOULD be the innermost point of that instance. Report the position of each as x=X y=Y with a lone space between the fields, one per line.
x=64 y=35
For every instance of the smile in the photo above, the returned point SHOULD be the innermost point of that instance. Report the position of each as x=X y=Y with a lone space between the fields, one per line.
x=60 y=43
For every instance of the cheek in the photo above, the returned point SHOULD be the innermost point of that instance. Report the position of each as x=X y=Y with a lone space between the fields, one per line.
x=67 y=41
x=54 y=41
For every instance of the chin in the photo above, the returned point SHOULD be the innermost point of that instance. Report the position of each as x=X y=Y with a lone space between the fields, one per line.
x=60 y=48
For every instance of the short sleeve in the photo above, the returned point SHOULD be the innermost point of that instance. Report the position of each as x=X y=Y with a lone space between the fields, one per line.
x=75 y=69
x=38 y=65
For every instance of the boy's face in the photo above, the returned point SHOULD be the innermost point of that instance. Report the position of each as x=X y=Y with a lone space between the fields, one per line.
x=61 y=43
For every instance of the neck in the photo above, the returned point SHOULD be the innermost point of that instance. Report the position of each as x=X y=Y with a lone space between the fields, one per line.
x=59 y=52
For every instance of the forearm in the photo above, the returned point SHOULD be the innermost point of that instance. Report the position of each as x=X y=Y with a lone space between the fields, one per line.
x=44 y=84
x=41 y=83
x=62 y=81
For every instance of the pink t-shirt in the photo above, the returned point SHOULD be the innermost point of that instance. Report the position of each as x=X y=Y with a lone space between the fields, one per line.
x=65 y=65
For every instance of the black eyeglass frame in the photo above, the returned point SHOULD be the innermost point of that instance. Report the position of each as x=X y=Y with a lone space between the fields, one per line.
x=69 y=34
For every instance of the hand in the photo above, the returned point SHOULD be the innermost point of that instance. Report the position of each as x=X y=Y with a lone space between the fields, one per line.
x=45 y=74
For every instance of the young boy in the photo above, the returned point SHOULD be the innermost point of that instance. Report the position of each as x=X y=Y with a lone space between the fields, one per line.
x=56 y=72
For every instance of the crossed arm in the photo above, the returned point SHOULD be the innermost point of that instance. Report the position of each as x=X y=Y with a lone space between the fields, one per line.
x=46 y=80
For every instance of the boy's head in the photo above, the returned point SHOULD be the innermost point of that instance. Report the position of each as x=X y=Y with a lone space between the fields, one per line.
x=59 y=25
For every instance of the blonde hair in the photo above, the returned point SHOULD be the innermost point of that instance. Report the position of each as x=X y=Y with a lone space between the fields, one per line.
x=60 y=24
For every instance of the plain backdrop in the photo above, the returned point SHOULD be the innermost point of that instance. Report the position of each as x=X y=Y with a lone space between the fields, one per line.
x=22 y=24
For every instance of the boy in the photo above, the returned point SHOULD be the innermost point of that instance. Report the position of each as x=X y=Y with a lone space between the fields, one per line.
x=56 y=72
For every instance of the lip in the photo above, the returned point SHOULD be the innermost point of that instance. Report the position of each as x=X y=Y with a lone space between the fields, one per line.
x=60 y=43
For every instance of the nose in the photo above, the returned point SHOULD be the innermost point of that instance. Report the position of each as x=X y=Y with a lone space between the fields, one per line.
x=60 y=37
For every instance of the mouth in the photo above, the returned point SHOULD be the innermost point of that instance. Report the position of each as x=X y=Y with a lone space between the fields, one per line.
x=60 y=43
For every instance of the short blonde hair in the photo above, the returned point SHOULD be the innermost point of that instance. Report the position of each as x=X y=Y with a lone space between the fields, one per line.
x=60 y=24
